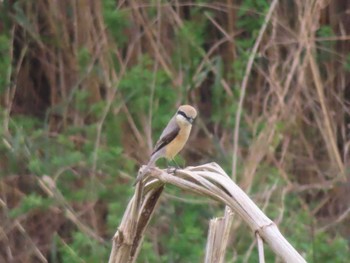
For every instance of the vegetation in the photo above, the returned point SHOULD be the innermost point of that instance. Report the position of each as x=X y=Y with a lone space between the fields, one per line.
x=86 y=87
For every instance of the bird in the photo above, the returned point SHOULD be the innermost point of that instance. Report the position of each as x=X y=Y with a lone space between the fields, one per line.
x=173 y=137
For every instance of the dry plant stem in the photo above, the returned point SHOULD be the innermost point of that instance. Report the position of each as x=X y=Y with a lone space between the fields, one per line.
x=113 y=83
x=128 y=238
x=8 y=94
x=20 y=227
x=258 y=150
x=249 y=251
x=210 y=180
x=205 y=56
x=325 y=111
x=341 y=218
x=11 y=90
x=219 y=231
x=159 y=51
x=260 y=244
x=49 y=187
x=244 y=87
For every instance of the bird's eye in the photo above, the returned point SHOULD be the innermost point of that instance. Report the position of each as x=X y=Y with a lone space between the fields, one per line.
x=182 y=113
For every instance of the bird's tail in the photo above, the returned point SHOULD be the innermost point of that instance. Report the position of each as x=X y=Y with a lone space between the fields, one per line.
x=144 y=171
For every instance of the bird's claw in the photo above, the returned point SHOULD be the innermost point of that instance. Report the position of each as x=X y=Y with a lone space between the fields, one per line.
x=171 y=170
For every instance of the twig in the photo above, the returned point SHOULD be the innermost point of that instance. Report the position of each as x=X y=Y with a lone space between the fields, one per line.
x=244 y=87
x=260 y=244
x=326 y=117
x=49 y=187
x=19 y=226
x=341 y=218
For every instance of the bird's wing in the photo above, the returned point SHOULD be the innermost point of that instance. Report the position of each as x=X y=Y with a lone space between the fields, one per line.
x=169 y=133
x=172 y=125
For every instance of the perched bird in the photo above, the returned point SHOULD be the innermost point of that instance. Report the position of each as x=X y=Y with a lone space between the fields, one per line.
x=173 y=137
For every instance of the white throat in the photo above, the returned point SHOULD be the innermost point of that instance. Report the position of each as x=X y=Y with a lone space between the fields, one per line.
x=181 y=120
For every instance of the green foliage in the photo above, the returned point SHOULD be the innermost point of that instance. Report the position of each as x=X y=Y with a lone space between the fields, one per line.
x=84 y=249
x=251 y=16
x=189 y=44
x=326 y=46
x=4 y=16
x=18 y=147
x=347 y=63
x=324 y=247
x=116 y=20
x=30 y=202
x=84 y=58
x=299 y=225
x=184 y=239
x=136 y=87
x=31 y=149
x=5 y=62
x=187 y=235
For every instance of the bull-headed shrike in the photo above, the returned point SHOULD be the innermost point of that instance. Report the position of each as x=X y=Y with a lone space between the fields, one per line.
x=173 y=137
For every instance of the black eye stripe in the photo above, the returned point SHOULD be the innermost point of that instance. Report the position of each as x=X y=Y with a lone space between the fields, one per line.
x=182 y=113
x=186 y=117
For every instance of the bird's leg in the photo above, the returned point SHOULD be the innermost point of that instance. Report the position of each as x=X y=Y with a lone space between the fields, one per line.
x=177 y=166
x=170 y=169
x=173 y=169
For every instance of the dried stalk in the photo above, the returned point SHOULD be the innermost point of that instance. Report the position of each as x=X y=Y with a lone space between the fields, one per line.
x=219 y=231
x=327 y=123
x=260 y=244
x=32 y=244
x=49 y=187
x=128 y=238
x=244 y=86
x=209 y=180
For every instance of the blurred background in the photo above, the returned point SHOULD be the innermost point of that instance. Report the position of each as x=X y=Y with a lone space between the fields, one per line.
x=86 y=88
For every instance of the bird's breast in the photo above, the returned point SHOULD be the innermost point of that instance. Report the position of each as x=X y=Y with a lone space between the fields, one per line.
x=178 y=143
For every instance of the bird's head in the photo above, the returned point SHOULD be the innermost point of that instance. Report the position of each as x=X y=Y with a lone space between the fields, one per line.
x=186 y=114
